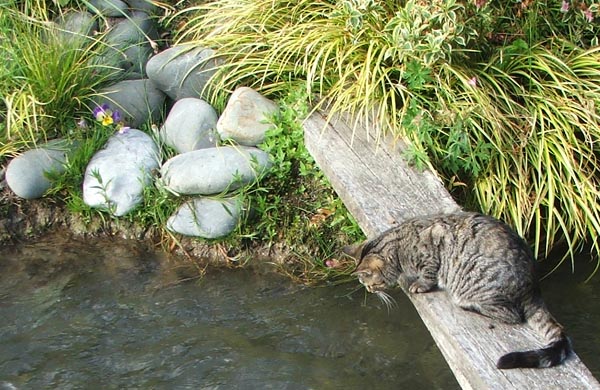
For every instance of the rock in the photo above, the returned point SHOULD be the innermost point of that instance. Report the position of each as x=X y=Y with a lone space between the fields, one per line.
x=76 y=26
x=206 y=218
x=146 y=6
x=26 y=174
x=190 y=125
x=107 y=8
x=136 y=58
x=116 y=175
x=130 y=43
x=137 y=100
x=246 y=117
x=182 y=71
x=214 y=170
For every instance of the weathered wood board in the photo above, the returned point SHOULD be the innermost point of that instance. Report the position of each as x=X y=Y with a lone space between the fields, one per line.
x=379 y=189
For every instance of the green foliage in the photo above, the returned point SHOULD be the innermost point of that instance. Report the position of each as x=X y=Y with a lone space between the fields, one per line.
x=500 y=97
x=294 y=202
x=354 y=52
x=44 y=80
x=86 y=141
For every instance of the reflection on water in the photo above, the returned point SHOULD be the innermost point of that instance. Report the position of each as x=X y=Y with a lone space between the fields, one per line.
x=576 y=305
x=106 y=315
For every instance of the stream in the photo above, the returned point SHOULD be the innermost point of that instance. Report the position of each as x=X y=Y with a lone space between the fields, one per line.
x=111 y=314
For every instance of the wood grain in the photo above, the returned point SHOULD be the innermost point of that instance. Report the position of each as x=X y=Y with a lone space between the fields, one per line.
x=381 y=189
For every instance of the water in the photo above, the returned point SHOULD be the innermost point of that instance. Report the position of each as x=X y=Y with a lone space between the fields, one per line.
x=103 y=314
x=575 y=304
x=107 y=314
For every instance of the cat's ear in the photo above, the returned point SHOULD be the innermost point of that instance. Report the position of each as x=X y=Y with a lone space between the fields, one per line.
x=362 y=269
x=354 y=251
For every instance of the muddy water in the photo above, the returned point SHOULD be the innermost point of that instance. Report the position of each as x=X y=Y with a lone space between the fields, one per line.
x=107 y=315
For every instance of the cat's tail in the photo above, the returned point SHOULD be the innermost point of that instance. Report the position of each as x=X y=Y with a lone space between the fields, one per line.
x=551 y=355
x=559 y=348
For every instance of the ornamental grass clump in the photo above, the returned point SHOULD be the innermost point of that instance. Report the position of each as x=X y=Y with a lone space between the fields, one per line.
x=44 y=78
x=356 y=55
x=501 y=98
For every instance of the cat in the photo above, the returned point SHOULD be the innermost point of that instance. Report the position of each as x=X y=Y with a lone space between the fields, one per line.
x=480 y=261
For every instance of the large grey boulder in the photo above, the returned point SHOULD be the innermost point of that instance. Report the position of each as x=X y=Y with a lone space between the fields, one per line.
x=129 y=43
x=182 y=71
x=214 y=170
x=138 y=101
x=108 y=8
x=206 y=217
x=246 y=117
x=147 y=6
x=26 y=174
x=75 y=27
x=116 y=175
x=190 y=125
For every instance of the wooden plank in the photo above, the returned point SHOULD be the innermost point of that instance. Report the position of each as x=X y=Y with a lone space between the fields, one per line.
x=380 y=189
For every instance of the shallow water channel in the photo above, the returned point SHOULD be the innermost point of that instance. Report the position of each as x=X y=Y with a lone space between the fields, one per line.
x=104 y=314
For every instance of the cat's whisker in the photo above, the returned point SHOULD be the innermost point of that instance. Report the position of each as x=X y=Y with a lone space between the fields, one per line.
x=390 y=303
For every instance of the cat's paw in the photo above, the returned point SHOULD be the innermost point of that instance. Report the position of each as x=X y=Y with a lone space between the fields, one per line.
x=419 y=287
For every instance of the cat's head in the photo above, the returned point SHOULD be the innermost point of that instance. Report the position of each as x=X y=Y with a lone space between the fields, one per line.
x=369 y=268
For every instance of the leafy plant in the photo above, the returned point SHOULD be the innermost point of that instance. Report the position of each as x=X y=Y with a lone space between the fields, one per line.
x=294 y=203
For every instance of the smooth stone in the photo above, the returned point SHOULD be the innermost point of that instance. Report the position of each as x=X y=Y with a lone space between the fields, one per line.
x=76 y=27
x=26 y=173
x=182 y=71
x=138 y=101
x=116 y=175
x=214 y=170
x=190 y=125
x=129 y=43
x=206 y=217
x=108 y=8
x=246 y=117
x=136 y=58
x=133 y=30
x=142 y=5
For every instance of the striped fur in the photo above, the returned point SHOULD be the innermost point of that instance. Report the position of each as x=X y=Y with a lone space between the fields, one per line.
x=483 y=265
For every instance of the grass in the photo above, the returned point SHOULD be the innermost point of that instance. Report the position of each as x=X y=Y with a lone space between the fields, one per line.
x=294 y=205
x=44 y=79
x=521 y=143
x=500 y=98
x=46 y=83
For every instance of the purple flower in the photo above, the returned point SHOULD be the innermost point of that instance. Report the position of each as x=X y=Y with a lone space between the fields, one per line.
x=565 y=6
x=472 y=81
x=116 y=116
x=106 y=116
x=588 y=15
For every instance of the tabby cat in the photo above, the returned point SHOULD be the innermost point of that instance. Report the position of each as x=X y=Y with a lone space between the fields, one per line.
x=481 y=262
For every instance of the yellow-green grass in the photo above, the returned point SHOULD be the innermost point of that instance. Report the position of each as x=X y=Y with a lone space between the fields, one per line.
x=45 y=80
x=501 y=99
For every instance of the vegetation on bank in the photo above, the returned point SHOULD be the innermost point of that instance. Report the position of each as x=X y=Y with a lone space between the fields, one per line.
x=501 y=98
x=46 y=87
x=45 y=80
